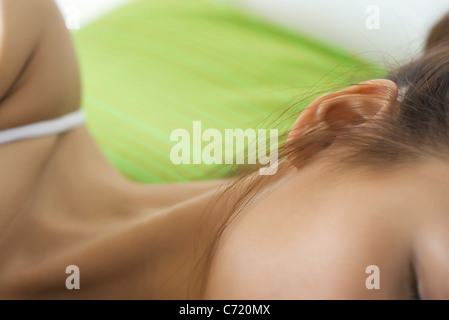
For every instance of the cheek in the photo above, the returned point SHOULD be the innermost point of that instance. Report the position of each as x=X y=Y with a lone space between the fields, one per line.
x=432 y=261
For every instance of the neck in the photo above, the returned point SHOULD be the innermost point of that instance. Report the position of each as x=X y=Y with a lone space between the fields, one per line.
x=168 y=219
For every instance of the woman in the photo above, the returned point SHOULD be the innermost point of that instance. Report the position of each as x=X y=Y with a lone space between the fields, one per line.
x=370 y=162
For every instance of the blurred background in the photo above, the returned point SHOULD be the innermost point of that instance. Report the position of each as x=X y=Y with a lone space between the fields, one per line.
x=403 y=24
x=150 y=67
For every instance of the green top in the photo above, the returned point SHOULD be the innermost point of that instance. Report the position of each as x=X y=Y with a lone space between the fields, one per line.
x=154 y=66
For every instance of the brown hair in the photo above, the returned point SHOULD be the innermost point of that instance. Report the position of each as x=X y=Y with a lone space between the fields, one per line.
x=416 y=127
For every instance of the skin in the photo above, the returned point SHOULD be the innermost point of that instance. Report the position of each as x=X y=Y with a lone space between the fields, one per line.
x=312 y=235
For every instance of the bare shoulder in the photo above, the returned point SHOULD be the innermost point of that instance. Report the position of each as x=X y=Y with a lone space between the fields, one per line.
x=40 y=78
x=290 y=248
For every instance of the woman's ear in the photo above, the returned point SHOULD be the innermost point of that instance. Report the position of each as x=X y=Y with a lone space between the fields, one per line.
x=351 y=107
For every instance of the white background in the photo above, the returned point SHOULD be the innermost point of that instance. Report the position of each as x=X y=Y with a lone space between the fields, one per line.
x=89 y=10
x=403 y=24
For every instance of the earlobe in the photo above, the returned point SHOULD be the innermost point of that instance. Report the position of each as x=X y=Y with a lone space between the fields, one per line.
x=346 y=109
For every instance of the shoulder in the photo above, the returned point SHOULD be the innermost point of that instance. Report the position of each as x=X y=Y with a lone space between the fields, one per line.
x=40 y=77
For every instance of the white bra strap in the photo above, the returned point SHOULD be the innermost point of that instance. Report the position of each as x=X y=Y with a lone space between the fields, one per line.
x=44 y=128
